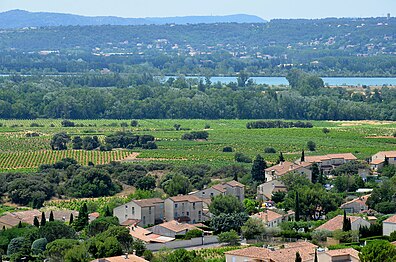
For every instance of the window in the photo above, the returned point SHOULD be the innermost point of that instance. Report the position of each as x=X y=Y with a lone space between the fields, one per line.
x=149 y=210
x=126 y=206
x=133 y=210
x=144 y=220
x=188 y=213
x=199 y=212
x=203 y=193
x=175 y=205
x=193 y=205
x=211 y=194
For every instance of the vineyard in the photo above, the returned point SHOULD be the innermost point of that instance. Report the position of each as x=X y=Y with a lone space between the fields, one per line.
x=22 y=160
x=362 y=138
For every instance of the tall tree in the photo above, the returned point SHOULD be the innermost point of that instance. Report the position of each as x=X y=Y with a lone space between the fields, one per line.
x=71 y=219
x=36 y=222
x=316 y=255
x=315 y=173
x=43 y=219
x=302 y=156
x=346 y=223
x=298 y=257
x=258 y=169
x=281 y=158
x=297 y=208
x=82 y=219
x=51 y=217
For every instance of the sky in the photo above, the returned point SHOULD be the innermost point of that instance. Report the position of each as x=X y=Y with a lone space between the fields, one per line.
x=267 y=9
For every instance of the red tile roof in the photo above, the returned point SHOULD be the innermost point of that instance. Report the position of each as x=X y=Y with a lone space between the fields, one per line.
x=131 y=258
x=361 y=200
x=283 y=168
x=267 y=216
x=336 y=223
x=220 y=188
x=186 y=198
x=176 y=226
x=234 y=183
x=391 y=219
x=342 y=252
x=148 y=202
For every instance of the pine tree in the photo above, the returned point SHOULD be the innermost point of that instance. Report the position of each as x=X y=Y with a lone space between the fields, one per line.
x=298 y=257
x=281 y=158
x=36 y=223
x=51 y=217
x=315 y=173
x=82 y=219
x=108 y=212
x=302 y=156
x=258 y=169
x=43 y=219
x=71 y=219
x=297 y=208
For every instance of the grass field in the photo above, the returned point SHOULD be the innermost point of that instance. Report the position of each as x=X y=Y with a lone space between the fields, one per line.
x=362 y=138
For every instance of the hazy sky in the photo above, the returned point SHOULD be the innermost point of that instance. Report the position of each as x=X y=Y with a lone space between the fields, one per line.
x=266 y=9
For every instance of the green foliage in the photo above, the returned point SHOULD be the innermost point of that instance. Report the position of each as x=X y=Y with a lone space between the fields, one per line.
x=311 y=145
x=258 y=169
x=38 y=246
x=193 y=233
x=195 y=135
x=56 y=230
x=227 y=222
x=146 y=183
x=18 y=245
x=346 y=223
x=139 y=247
x=251 y=206
x=101 y=224
x=225 y=204
x=230 y=238
x=78 y=253
x=82 y=220
x=378 y=251
x=59 y=141
x=177 y=185
x=269 y=150
x=57 y=249
x=253 y=228
x=239 y=157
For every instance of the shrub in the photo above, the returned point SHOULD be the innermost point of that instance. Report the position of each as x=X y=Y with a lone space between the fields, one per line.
x=269 y=150
x=239 y=157
x=67 y=123
x=311 y=145
x=195 y=135
x=150 y=145
x=193 y=233
x=227 y=149
x=326 y=130
x=230 y=237
x=134 y=123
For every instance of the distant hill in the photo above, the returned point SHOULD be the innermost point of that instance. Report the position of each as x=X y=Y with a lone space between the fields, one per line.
x=21 y=18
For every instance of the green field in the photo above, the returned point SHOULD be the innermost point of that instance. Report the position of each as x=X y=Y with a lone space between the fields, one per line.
x=361 y=138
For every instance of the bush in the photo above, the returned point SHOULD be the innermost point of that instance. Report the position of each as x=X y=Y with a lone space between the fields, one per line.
x=195 y=135
x=38 y=246
x=67 y=123
x=239 y=157
x=148 y=255
x=193 y=233
x=230 y=237
x=134 y=123
x=269 y=150
x=227 y=149
x=326 y=130
x=150 y=145
x=311 y=145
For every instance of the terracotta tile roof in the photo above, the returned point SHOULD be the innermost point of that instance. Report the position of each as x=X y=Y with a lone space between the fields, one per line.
x=283 y=168
x=220 y=188
x=361 y=200
x=336 y=223
x=148 y=202
x=342 y=252
x=377 y=161
x=186 y=198
x=130 y=222
x=9 y=220
x=287 y=254
x=388 y=153
x=316 y=159
x=234 y=183
x=391 y=219
x=27 y=216
x=147 y=236
x=61 y=215
x=94 y=214
x=131 y=258
x=176 y=226
x=252 y=252
x=346 y=156
x=267 y=216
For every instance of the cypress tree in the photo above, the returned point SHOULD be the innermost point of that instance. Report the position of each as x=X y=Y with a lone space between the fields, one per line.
x=20 y=224
x=259 y=165
x=298 y=257
x=346 y=223
x=297 y=208
x=315 y=173
x=82 y=219
x=281 y=158
x=36 y=223
x=43 y=219
x=386 y=161
x=316 y=255
x=51 y=217
x=108 y=212
x=302 y=156
x=71 y=219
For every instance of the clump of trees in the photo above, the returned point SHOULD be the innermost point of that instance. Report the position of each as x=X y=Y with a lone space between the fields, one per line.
x=278 y=124
x=195 y=135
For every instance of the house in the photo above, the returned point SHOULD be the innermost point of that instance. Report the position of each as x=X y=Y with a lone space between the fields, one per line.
x=356 y=205
x=337 y=222
x=123 y=258
x=61 y=215
x=184 y=209
x=143 y=212
x=265 y=190
x=389 y=226
x=286 y=254
x=339 y=255
x=147 y=236
x=274 y=219
x=378 y=160
x=326 y=163
x=8 y=221
x=233 y=188
x=283 y=168
x=172 y=228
